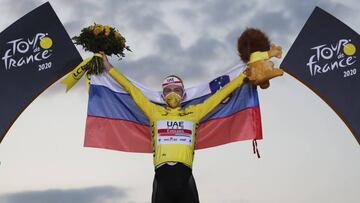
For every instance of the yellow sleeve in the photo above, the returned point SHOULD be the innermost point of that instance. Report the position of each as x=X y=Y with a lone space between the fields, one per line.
x=210 y=103
x=140 y=99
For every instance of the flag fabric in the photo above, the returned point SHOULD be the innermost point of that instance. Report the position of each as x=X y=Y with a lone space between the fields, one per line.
x=325 y=58
x=35 y=52
x=115 y=122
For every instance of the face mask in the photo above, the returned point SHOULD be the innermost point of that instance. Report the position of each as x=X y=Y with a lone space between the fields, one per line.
x=173 y=100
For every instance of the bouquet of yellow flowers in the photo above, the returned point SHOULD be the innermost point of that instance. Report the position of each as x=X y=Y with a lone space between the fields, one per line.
x=96 y=38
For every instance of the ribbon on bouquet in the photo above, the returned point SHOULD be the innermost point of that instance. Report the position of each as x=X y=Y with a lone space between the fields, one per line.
x=78 y=72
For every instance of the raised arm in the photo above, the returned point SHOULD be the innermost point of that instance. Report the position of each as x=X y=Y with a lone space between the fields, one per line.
x=136 y=94
x=210 y=103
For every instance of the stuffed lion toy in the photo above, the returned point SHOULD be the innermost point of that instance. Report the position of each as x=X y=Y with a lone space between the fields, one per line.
x=256 y=51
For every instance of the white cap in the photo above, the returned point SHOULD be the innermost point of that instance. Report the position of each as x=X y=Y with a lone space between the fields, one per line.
x=172 y=80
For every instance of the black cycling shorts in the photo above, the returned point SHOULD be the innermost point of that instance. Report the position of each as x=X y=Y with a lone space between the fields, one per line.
x=174 y=184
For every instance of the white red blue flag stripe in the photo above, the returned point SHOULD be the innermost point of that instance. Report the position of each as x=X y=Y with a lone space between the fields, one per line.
x=115 y=122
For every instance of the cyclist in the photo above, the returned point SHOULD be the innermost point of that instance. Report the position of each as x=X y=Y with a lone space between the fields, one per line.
x=173 y=131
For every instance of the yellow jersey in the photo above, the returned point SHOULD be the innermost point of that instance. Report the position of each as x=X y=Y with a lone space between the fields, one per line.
x=173 y=130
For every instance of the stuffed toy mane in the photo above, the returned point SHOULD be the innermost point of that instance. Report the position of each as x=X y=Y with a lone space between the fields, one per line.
x=255 y=50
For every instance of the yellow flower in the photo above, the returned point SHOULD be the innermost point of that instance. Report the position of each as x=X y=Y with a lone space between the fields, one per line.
x=98 y=29
x=118 y=35
x=107 y=30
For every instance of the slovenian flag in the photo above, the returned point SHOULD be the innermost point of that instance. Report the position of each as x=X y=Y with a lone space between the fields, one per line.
x=115 y=122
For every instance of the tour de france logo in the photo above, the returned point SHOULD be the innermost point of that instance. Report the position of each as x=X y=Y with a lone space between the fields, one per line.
x=327 y=58
x=26 y=51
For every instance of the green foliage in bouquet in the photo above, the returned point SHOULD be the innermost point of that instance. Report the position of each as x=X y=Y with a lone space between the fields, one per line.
x=96 y=38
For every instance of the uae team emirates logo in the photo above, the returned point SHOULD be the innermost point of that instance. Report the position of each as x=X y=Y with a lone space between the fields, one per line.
x=174 y=132
x=330 y=57
x=25 y=51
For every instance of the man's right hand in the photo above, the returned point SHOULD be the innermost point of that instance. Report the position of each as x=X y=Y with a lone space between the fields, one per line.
x=106 y=62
